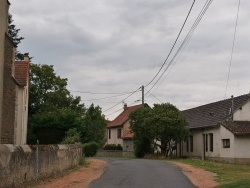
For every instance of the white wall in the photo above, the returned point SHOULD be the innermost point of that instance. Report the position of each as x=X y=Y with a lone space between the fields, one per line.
x=113 y=139
x=242 y=147
x=22 y=115
x=243 y=114
x=226 y=134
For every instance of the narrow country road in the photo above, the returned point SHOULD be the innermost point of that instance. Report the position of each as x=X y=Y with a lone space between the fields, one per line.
x=141 y=173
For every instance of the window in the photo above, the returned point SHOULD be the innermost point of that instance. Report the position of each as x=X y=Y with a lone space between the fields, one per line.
x=211 y=142
x=119 y=133
x=191 y=143
x=226 y=143
x=109 y=133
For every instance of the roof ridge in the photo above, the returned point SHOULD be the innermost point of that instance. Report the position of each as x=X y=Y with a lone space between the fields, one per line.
x=215 y=102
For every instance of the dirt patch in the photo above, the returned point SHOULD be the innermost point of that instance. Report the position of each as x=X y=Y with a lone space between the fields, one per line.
x=77 y=179
x=199 y=177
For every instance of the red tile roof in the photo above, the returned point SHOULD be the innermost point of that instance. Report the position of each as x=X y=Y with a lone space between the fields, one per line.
x=123 y=117
x=128 y=135
x=22 y=72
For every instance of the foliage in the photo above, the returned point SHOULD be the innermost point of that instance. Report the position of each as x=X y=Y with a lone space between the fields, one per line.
x=90 y=149
x=72 y=136
x=162 y=126
x=83 y=162
x=51 y=107
x=13 y=34
x=94 y=125
x=112 y=147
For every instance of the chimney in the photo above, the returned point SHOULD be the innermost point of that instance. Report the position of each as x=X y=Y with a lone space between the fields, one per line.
x=26 y=57
x=125 y=106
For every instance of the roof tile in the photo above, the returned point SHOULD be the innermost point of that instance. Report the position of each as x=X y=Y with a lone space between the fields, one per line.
x=22 y=72
x=211 y=114
x=123 y=117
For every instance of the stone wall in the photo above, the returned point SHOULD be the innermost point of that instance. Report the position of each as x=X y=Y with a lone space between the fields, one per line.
x=19 y=163
x=9 y=116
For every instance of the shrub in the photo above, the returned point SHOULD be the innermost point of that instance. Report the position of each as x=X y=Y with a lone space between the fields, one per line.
x=72 y=136
x=90 y=149
x=112 y=147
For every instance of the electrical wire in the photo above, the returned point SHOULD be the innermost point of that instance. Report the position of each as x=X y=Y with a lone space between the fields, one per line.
x=187 y=38
x=105 y=97
x=121 y=100
x=230 y=64
x=154 y=96
x=173 y=45
x=102 y=93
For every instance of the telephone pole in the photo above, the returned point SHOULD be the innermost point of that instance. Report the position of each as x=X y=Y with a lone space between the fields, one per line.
x=142 y=91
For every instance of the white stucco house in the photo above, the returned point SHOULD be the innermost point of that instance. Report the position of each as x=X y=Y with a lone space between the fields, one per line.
x=219 y=131
x=119 y=131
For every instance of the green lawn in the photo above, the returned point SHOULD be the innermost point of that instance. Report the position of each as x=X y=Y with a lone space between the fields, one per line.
x=228 y=175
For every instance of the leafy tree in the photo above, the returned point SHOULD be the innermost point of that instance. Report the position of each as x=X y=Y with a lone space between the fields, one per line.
x=143 y=132
x=94 y=125
x=51 y=107
x=72 y=136
x=161 y=126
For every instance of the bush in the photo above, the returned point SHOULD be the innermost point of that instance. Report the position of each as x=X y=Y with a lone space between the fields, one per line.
x=72 y=136
x=90 y=149
x=112 y=147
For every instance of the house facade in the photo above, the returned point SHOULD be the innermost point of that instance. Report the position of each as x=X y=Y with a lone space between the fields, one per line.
x=119 y=131
x=4 y=7
x=219 y=131
x=14 y=79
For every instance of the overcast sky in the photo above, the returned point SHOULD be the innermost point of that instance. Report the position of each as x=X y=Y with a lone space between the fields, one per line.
x=116 y=46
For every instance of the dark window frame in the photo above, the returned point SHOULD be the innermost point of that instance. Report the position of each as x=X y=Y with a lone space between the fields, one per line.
x=109 y=133
x=191 y=143
x=211 y=142
x=226 y=143
x=119 y=133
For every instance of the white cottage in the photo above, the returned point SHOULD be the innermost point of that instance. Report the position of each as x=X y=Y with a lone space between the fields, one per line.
x=119 y=131
x=219 y=131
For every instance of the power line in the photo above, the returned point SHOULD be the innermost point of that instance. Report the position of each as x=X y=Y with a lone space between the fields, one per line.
x=105 y=97
x=235 y=29
x=173 y=44
x=102 y=93
x=187 y=38
x=155 y=97
x=122 y=100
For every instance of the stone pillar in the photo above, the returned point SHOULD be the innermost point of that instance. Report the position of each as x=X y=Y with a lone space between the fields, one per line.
x=4 y=7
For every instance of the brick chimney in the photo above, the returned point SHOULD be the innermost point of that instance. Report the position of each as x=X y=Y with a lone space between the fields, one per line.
x=26 y=57
x=125 y=106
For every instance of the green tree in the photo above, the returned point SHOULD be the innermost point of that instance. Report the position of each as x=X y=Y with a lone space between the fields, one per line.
x=94 y=125
x=52 y=109
x=162 y=126
x=13 y=34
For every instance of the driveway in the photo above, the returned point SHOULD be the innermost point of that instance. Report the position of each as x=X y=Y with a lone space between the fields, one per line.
x=141 y=173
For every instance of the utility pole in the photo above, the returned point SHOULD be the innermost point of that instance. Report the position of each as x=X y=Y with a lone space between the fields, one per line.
x=142 y=91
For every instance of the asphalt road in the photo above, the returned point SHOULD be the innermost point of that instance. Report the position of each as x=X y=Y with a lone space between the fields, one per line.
x=141 y=173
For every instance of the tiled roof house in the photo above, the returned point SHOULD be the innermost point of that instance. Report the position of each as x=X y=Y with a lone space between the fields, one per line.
x=219 y=130
x=119 y=129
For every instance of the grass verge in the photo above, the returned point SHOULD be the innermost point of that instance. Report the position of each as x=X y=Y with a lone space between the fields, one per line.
x=228 y=175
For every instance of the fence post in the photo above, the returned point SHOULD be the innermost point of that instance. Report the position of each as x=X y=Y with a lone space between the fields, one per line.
x=37 y=160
